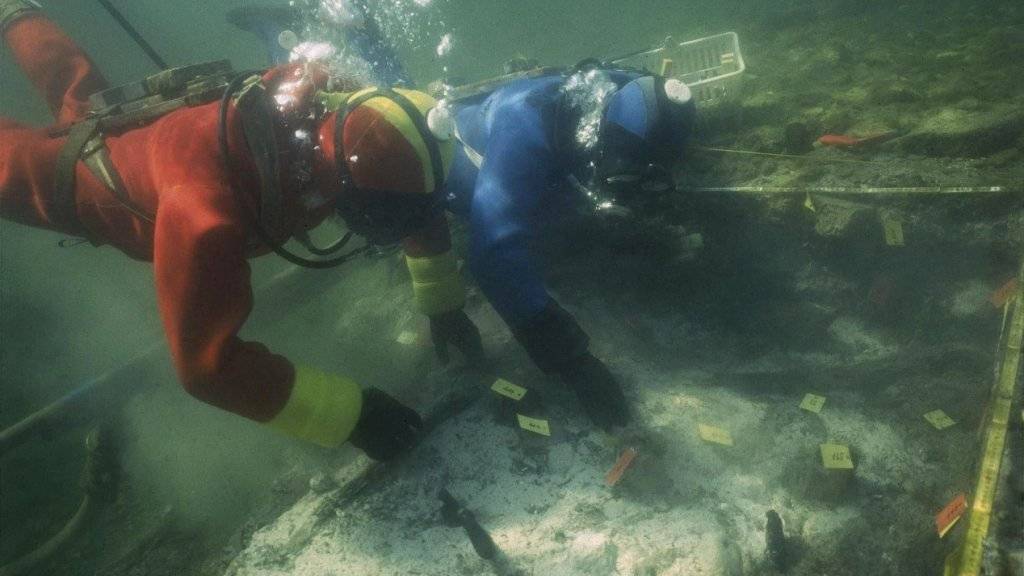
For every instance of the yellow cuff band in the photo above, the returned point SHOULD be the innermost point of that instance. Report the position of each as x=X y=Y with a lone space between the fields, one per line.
x=323 y=408
x=436 y=284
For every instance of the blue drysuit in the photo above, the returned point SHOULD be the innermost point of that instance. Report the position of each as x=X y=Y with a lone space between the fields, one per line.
x=520 y=186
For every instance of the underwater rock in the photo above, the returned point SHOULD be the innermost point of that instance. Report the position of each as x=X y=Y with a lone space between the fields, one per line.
x=732 y=559
x=321 y=483
x=1015 y=562
x=761 y=107
x=861 y=340
x=971 y=299
x=645 y=570
x=593 y=553
x=1013 y=156
x=454 y=514
x=837 y=54
x=954 y=132
x=835 y=217
x=829 y=532
x=894 y=94
x=798 y=138
x=560 y=458
x=710 y=555
x=855 y=96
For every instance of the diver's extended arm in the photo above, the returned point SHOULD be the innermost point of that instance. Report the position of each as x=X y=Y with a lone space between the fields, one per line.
x=512 y=192
x=506 y=201
x=438 y=291
x=503 y=266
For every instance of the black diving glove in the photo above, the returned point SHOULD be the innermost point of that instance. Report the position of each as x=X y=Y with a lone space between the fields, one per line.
x=598 y=391
x=457 y=329
x=386 y=427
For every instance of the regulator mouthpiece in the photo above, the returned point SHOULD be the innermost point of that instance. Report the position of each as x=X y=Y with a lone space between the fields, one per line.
x=288 y=40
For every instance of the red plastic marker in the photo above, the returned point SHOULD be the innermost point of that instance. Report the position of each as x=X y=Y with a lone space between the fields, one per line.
x=945 y=520
x=621 y=465
x=1004 y=294
x=844 y=141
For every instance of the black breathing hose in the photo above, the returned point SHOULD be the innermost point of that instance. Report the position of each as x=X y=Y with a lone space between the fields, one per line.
x=338 y=244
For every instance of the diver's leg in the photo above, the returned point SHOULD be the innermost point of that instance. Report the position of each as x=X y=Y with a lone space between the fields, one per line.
x=55 y=65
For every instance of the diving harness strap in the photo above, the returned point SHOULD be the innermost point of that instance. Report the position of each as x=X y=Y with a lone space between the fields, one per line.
x=97 y=158
x=122 y=108
x=86 y=143
x=65 y=213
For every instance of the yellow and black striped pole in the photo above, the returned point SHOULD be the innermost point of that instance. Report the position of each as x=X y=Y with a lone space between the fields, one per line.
x=967 y=560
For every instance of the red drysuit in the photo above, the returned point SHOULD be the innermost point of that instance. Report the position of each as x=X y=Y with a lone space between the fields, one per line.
x=197 y=242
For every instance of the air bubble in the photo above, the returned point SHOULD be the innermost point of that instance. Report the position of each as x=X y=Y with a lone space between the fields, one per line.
x=288 y=40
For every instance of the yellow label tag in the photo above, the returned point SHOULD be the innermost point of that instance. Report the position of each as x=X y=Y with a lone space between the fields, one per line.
x=939 y=419
x=714 y=435
x=893 y=230
x=813 y=403
x=508 y=389
x=809 y=204
x=836 y=457
x=406 y=338
x=534 y=425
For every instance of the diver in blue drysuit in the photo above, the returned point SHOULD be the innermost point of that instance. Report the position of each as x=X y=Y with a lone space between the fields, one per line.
x=519 y=149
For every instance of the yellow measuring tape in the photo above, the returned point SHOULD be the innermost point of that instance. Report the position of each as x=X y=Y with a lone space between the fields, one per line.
x=854 y=190
x=966 y=561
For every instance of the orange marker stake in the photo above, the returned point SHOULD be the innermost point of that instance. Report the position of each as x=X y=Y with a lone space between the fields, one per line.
x=945 y=520
x=1003 y=295
x=621 y=465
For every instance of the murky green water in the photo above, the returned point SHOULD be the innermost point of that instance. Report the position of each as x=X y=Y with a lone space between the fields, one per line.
x=780 y=300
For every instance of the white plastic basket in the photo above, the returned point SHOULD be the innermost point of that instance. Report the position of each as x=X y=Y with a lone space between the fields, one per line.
x=710 y=66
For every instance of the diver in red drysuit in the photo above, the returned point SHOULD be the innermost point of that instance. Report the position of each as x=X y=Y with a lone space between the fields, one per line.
x=191 y=226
